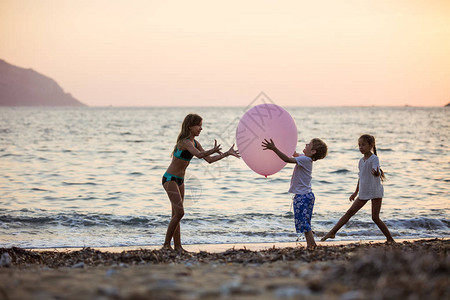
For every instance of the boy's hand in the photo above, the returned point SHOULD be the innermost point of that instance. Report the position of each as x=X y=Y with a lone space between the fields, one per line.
x=352 y=197
x=271 y=146
x=268 y=145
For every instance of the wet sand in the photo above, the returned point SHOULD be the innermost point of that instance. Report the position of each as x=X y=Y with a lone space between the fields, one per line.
x=214 y=248
x=365 y=270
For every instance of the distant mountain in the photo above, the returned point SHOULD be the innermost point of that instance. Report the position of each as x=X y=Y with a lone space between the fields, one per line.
x=26 y=87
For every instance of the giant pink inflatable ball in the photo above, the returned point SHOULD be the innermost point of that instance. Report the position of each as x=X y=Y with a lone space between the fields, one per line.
x=265 y=121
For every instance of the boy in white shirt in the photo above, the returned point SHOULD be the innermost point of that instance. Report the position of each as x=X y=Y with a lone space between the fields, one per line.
x=301 y=183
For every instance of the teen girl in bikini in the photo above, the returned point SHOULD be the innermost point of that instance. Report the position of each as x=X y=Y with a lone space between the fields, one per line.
x=173 y=179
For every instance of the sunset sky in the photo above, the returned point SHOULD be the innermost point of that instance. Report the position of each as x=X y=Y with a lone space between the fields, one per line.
x=207 y=53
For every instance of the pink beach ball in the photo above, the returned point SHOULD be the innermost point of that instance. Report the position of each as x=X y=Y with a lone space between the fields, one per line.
x=265 y=121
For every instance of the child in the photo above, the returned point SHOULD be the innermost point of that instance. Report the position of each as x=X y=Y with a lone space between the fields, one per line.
x=173 y=179
x=301 y=183
x=369 y=188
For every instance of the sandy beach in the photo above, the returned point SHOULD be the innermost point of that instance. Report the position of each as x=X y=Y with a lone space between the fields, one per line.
x=365 y=270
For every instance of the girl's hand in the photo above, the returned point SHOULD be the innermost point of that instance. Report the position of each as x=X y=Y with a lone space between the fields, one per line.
x=216 y=148
x=233 y=152
x=268 y=145
x=375 y=173
x=296 y=154
x=352 y=197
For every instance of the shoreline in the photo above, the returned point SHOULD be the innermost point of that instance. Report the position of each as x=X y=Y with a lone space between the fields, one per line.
x=217 y=248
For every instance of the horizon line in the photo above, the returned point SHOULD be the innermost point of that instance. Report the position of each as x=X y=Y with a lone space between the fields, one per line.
x=220 y=106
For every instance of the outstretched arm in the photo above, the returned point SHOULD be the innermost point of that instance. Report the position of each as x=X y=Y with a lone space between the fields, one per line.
x=199 y=152
x=271 y=146
x=211 y=159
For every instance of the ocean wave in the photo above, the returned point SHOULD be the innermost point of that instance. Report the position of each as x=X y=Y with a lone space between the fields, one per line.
x=77 y=219
x=340 y=171
x=39 y=190
x=136 y=141
x=78 y=183
x=421 y=223
x=324 y=182
x=135 y=174
x=241 y=221
x=10 y=155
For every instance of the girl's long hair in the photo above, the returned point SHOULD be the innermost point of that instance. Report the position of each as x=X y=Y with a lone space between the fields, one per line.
x=189 y=121
x=370 y=139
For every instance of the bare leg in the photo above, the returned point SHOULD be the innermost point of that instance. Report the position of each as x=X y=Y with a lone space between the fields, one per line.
x=176 y=200
x=310 y=242
x=357 y=205
x=376 y=207
x=177 y=232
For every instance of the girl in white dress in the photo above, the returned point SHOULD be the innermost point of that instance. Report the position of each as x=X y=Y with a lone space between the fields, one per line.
x=369 y=187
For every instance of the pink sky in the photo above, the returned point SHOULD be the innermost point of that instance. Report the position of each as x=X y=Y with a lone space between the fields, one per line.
x=207 y=53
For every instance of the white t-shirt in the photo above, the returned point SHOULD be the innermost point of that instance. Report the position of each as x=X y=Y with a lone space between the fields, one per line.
x=369 y=185
x=301 y=177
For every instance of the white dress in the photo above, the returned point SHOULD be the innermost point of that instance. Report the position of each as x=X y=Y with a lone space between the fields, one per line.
x=370 y=186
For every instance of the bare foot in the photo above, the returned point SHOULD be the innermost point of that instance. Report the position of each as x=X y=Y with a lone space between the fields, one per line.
x=181 y=250
x=327 y=236
x=311 y=245
x=166 y=247
x=390 y=242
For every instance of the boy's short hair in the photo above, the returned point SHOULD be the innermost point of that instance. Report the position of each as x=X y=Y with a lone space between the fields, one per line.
x=320 y=147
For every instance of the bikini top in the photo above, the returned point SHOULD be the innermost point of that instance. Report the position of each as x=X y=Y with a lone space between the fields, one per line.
x=185 y=154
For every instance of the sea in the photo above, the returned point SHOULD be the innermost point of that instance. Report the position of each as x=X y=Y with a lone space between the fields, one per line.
x=91 y=176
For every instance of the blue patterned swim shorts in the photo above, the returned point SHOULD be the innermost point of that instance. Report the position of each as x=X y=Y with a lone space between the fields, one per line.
x=303 y=208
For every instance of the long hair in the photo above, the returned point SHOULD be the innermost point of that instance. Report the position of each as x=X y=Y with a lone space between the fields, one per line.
x=189 y=121
x=370 y=139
